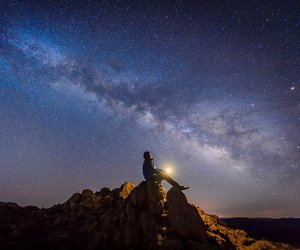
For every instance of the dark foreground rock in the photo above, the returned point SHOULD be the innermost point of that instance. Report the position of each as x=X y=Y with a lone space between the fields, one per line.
x=129 y=217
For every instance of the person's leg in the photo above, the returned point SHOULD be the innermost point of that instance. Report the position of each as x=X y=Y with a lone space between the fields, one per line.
x=170 y=180
x=161 y=176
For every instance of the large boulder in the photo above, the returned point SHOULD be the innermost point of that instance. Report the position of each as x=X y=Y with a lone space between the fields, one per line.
x=138 y=196
x=156 y=196
x=146 y=205
x=150 y=196
x=184 y=217
x=150 y=228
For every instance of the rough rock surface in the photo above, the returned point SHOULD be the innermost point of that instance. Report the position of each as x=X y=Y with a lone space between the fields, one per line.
x=129 y=217
x=184 y=217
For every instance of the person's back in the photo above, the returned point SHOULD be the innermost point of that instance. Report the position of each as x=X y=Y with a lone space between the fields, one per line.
x=148 y=167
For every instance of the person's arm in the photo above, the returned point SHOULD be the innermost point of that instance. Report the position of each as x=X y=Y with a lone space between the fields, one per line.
x=154 y=169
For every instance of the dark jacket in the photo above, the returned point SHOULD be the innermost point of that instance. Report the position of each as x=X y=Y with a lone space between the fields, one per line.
x=149 y=170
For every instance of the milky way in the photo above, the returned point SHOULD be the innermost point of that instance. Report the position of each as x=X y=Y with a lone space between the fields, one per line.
x=210 y=88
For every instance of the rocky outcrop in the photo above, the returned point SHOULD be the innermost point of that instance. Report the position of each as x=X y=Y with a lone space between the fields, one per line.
x=129 y=217
x=185 y=218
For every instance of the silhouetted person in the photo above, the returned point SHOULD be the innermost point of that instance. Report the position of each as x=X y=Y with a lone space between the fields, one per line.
x=151 y=173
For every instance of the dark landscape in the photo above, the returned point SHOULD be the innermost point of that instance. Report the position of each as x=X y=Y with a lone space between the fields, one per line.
x=285 y=230
x=129 y=217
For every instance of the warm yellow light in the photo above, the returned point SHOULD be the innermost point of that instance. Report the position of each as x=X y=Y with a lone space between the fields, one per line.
x=168 y=170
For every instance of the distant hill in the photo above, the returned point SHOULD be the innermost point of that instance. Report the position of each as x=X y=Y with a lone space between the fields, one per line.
x=285 y=230
x=129 y=217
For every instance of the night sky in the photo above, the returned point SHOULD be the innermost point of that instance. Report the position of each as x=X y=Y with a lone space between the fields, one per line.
x=210 y=87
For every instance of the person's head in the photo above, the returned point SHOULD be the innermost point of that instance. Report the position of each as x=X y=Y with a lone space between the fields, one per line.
x=148 y=155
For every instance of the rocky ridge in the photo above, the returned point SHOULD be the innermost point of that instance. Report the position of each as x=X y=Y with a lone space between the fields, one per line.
x=129 y=217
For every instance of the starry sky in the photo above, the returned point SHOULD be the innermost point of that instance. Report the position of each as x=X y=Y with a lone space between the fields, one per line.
x=212 y=88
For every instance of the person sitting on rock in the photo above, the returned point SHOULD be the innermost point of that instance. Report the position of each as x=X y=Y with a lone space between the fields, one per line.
x=151 y=173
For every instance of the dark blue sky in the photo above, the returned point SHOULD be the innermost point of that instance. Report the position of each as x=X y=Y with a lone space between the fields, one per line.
x=212 y=88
